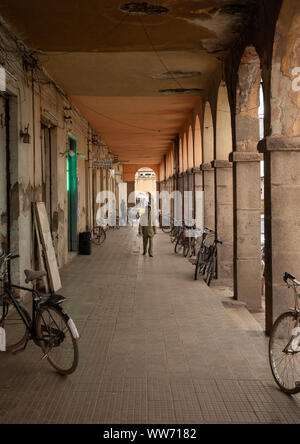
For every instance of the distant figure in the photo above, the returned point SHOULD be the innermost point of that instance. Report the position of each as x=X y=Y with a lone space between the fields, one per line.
x=123 y=213
x=147 y=229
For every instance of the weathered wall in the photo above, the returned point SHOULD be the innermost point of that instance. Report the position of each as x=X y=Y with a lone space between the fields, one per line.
x=34 y=98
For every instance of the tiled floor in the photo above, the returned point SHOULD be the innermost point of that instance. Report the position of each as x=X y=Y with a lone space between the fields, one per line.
x=156 y=347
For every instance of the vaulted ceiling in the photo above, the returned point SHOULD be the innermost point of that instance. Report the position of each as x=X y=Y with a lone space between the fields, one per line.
x=134 y=69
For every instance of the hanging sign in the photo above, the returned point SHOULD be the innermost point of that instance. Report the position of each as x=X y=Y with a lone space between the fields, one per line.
x=102 y=164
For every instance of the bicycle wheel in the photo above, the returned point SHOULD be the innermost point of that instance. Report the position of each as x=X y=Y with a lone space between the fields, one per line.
x=173 y=238
x=284 y=353
x=16 y=331
x=178 y=245
x=96 y=236
x=99 y=236
x=210 y=271
x=193 y=248
x=199 y=265
x=174 y=234
x=186 y=249
x=102 y=235
x=56 y=340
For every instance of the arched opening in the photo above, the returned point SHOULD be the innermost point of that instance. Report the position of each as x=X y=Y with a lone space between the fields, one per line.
x=199 y=210
x=282 y=160
x=208 y=170
x=224 y=125
x=261 y=116
x=185 y=154
x=180 y=156
x=191 y=149
x=198 y=143
x=248 y=219
x=145 y=184
x=224 y=187
x=208 y=135
x=172 y=164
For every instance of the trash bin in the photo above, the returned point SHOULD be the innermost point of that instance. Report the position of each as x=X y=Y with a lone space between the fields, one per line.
x=85 y=243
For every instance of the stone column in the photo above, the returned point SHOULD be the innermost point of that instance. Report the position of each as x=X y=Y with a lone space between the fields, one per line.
x=247 y=212
x=209 y=195
x=185 y=188
x=199 y=216
x=224 y=220
x=130 y=189
x=282 y=221
x=190 y=187
x=181 y=189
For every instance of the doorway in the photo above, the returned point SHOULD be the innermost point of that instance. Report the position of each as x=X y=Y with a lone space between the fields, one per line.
x=72 y=193
x=46 y=162
x=4 y=175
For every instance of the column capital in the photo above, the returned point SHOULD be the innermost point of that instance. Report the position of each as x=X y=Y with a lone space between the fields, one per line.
x=245 y=157
x=281 y=143
x=197 y=170
x=206 y=167
x=221 y=164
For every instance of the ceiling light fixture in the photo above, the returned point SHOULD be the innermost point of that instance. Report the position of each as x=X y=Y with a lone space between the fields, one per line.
x=143 y=8
x=177 y=75
x=181 y=91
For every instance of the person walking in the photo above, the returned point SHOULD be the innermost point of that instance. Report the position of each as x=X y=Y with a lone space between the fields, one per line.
x=123 y=213
x=147 y=229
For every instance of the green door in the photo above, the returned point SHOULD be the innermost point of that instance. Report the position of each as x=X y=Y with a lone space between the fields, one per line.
x=72 y=195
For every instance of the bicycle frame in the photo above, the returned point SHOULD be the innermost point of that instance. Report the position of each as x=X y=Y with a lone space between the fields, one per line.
x=291 y=282
x=35 y=298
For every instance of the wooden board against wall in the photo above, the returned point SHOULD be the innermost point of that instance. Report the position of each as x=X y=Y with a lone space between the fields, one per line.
x=47 y=243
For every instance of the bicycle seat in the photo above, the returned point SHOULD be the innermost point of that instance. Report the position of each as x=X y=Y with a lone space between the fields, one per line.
x=32 y=276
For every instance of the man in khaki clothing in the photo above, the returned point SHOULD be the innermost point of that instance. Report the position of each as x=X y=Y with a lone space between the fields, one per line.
x=147 y=229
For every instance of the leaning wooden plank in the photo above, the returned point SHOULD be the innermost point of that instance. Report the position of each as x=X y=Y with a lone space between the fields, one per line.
x=41 y=258
x=49 y=253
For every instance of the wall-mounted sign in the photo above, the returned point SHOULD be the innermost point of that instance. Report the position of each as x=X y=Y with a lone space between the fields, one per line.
x=107 y=164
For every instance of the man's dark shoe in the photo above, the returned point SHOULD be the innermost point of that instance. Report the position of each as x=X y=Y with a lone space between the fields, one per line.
x=144 y=254
x=151 y=255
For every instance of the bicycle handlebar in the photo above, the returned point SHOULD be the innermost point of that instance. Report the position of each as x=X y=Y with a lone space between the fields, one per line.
x=289 y=277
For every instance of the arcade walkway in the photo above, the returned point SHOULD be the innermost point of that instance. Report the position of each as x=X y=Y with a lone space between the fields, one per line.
x=156 y=347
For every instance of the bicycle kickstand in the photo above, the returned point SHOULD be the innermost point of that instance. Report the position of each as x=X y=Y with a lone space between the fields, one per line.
x=21 y=349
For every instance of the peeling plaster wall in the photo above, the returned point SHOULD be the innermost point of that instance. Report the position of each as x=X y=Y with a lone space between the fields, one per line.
x=285 y=100
x=26 y=161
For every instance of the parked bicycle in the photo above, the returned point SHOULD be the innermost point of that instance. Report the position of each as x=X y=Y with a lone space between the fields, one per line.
x=175 y=231
x=186 y=240
x=206 y=263
x=203 y=254
x=179 y=240
x=167 y=223
x=211 y=266
x=49 y=325
x=284 y=346
x=98 y=235
x=190 y=242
